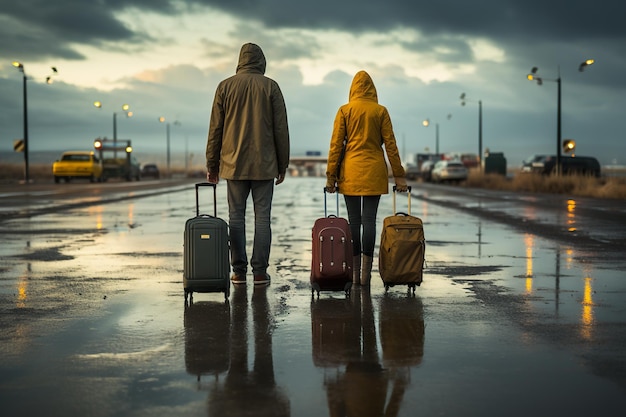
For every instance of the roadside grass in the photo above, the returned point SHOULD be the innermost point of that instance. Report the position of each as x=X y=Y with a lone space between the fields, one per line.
x=609 y=187
x=575 y=185
x=42 y=172
x=15 y=172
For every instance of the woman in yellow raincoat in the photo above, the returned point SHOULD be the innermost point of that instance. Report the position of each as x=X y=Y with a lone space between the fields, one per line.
x=357 y=167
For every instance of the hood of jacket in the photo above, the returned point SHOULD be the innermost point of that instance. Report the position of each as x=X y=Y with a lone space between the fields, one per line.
x=251 y=59
x=367 y=127
x=362 y=88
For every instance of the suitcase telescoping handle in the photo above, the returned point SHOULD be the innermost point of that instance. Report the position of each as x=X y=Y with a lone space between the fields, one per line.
x=206 y=184
x=326 y=206
x=394 y=200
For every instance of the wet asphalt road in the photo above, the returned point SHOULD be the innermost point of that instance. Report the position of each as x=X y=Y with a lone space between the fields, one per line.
x=522 y=311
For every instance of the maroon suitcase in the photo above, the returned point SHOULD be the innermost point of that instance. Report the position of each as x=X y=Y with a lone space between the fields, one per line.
x=331 y=261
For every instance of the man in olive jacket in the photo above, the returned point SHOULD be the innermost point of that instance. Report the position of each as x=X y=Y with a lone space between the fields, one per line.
x=248 y=145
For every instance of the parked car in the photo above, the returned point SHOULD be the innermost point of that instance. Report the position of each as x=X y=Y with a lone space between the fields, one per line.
x=570 y=165
x=470 y=160
x=426 y=170
x=150 y=171
x=412 y=172
x=79 y=164
x=449 y=171
x=533 y=163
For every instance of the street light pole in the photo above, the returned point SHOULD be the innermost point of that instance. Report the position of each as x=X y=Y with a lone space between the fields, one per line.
x=167 y=133
x=26 y=162
x=167 y=145
x=20 y=67
x=167 y=136
x=125 y=109
x=426 y=123
x=480 y=135
x=558 y=123
x=480 y=128
x=533 y=77
x=114 y=135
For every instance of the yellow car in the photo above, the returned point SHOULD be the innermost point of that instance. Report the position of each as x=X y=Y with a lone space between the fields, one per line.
x=78 y=164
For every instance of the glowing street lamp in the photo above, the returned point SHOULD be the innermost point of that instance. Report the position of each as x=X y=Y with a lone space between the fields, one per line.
x=534 y=77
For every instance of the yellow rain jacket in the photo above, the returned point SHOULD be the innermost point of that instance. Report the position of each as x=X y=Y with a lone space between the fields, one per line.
x=366 y=126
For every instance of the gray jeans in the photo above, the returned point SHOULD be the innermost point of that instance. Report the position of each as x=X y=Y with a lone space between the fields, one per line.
x=262 y=194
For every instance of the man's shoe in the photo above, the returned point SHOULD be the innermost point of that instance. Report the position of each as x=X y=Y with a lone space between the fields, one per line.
x=238 y=279
x=261 y=279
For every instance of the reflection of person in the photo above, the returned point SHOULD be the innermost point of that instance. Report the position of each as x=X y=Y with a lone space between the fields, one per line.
x=248 y=145
x=250 y=393
x=361 y=389
x=361 y=174
x=344 y=337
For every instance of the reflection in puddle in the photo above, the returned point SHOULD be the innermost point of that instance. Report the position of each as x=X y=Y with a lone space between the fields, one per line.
x=206 y=349
x=587 y=310
x=357 y=380
x=22 y=286
x=529 y=243
x=96 y=211
x=22 y=295
x=587 y=304
x=571 y=216
x=216 y=344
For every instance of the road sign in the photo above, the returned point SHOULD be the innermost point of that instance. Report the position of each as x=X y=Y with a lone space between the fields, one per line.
x=18 y=145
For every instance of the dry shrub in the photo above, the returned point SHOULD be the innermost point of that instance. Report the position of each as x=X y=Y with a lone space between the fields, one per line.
x=491 y=181
x=15 y=172
x=611 y=188
x=575 y=185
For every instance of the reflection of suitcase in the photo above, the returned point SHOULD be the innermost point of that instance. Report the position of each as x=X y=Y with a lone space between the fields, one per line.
x=401 y=327
x=335 y=331
x=331 y=264
x=206 y=251
x=402 y=247
x=207 y=332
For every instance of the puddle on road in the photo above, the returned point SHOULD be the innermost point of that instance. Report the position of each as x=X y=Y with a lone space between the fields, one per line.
x=484 y=327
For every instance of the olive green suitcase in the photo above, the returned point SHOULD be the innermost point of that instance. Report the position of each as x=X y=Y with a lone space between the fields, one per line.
x=206 y=251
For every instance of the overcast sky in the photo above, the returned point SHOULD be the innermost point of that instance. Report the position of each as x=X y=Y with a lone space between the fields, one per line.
x=165 y=58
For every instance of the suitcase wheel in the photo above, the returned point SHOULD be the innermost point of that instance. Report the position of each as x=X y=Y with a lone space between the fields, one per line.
x=315 y=288
x=348 y=288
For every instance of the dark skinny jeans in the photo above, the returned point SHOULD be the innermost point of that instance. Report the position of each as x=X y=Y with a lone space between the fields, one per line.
x=362 y=212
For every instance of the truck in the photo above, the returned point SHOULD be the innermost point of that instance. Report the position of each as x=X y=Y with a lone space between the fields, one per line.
x=126 y=167
x=414 y=169
x=78 y=164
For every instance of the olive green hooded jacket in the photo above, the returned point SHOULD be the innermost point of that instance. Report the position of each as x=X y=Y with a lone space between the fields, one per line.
x=248 y=132
x=367 y=127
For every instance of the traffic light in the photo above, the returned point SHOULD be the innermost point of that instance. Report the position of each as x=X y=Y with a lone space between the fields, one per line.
x=569 y=145
x=97 y=144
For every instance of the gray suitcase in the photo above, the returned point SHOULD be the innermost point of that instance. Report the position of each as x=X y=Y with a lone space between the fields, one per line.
x=206 y=251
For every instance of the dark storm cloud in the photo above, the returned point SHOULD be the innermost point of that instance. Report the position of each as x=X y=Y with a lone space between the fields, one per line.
x=36 y=27
x=565 y=20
